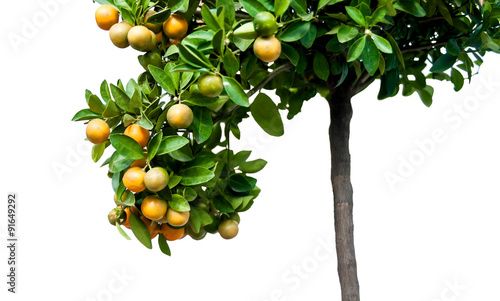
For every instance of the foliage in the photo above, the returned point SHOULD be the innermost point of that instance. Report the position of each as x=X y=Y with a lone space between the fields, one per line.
x=326 y=45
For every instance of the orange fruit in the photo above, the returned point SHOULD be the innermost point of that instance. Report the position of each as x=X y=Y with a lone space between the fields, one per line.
x=97 y=131
x=268 y=49
x=106 y=16
x=180 y=116
x=170 y=233
x=175 y=27
x=138 y=133
x=133 y=179
x=156 y=179
x=118 y=34
x=154 y=207
x=176 y=218
x=141 y=162
x=140 y=38
x=152 y=227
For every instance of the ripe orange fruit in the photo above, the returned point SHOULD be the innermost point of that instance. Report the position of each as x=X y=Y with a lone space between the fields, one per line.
x=126 y=224
x=268 y=49
x=228 y=229
x=140 y=38
x=156 y=179
x=176 y=218
x=97 y=131
x=156 y=28
x=180 y=116
x=138 y=133
x=154 y=207
x=106 y=16
x=133 y=179
x=175 y=27
x=152 y=227
x=265 y=24
x=170 y=233
x=159 y=37
x=118 y=34
x=210 y=85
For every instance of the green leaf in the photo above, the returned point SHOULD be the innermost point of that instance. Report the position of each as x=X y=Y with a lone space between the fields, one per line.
x=411 y=7
x=426 y=95
x=171 y=143
x=443 y=10
x=223 y=205
x=195 y=176
x=356 y=49
x=218 y=41
x=127 y=146
x=266 y=114
x=241 y=183
x=145 y=123
x=85 y=114
x=98 y=151
x=174 y=180
x=185 y=154
x=453 y=48
x=253 y=7
x=347 y=33
x=281 y=6
x=246 y=31
x=378 y=15
x=118 y=162
x=371 y=57
x=382 y=44
x=398 y=52
x=308 y=40
x=159 y=17
x=290 y=53
x=239 y=158
x=231 y=63
x=162 y=79
x=194 y=57
x=189 y=194
x=321 y=66
x=457 y=79
x=356 y=15
x=202 y=124
x=443 y=63
x=120 y=230
x=295 y=31
x=121 y=98
x=229 y=10
x=235 y=91
x=95 y=104
x=112 y=110
x=209 y=18
x=199 y=218
x=154 y=145
x=323 y=3
x=253 y=166
x=163 y=244
x=129 y=201
x=105 y=93
x=140 y=230
x=179 y=203
x=178 y=5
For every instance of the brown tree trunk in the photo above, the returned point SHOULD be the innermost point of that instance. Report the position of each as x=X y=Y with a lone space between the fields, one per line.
x=340 y=118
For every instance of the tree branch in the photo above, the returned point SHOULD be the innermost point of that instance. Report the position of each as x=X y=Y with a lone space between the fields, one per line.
x=423 y=47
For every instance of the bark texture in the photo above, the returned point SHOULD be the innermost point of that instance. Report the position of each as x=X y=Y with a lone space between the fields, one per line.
x=340 y=118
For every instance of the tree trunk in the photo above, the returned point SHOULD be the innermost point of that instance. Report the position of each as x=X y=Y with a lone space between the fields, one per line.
x=340 y=118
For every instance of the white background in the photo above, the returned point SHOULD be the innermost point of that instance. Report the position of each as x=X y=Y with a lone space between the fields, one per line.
x=435 y=236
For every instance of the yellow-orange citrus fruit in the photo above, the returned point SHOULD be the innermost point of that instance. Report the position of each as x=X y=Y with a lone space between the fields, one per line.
x=210 y=85
x=97 y=131
x=175 y=27
x=170 y=233
x=156 y=179
x=133 y=179
x=138 y=133
x=176 y=218
x=268 y=49
x=154 y=207
x=139 y=38
x=180 y=116
x=118 y=34
x=106 y=16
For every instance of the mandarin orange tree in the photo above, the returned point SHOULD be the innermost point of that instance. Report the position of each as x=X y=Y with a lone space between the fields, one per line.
x=211 y=64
